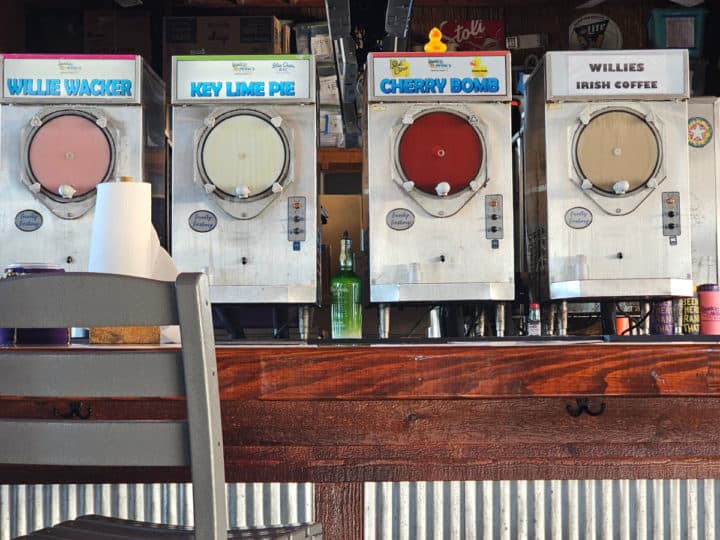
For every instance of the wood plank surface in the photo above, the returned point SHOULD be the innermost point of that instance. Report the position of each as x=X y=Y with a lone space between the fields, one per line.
x=510 y=438
x=359 y=413
x=448 y=372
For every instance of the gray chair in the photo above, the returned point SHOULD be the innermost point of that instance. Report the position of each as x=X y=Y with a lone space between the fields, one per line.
x=89 y=300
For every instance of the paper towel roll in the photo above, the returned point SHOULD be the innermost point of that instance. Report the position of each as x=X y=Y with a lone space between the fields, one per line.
x=164 y=267
x=123 y=240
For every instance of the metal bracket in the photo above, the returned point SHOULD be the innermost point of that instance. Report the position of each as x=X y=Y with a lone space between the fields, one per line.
x=75 y=410
x=583 y=406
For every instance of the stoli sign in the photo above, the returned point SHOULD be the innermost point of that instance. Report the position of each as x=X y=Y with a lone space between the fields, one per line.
x=474 y=34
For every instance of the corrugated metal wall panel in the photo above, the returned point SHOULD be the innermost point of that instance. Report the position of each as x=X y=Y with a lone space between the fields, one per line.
x=27 y=508
x=557 y=510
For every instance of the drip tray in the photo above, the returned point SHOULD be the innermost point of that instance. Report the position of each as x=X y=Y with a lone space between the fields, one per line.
x=468 y=342
x=661 y=339
x=484 y=341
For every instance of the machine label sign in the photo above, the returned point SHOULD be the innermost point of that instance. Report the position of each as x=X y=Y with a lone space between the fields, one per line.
x=452 y=74
x=578 y=217
x=400 y=219
x=220 y=78
x=31 y=76
x=28 y=220
x=215 y=89
x=467 y=85
x=202 y=221
x=70 y=87
x=618 y=74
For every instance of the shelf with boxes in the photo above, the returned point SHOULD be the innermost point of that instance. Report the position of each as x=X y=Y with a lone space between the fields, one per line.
x=339 y=160
x=199 y=35
x=314 y=38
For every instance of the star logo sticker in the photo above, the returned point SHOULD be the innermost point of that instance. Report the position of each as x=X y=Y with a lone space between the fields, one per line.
x=699 y=132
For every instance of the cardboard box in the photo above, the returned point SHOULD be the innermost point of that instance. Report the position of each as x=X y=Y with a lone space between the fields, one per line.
x=330 y=121
x=331 y=129
x=117 y=32
x=136 y=335
x=328 y=91
x=287 y=37
x=314 y=38
x=221 y=35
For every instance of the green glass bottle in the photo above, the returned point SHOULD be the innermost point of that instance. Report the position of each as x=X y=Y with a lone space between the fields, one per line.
x=345 y=301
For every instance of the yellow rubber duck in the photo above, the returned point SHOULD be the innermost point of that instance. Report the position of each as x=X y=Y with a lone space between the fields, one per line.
x=435 y=45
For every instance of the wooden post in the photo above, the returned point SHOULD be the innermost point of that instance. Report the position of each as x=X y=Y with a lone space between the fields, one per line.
x=339 y=507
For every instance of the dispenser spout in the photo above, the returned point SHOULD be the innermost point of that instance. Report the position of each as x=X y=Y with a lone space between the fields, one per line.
x=621 y=186
x=66 y=191
x=442 y=189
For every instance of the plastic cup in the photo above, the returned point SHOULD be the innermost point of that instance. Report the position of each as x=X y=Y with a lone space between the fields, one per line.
x=709 y=301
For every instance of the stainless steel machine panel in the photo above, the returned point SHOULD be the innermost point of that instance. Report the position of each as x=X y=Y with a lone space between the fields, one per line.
x=704 y=149
x=68 y=124
x=244 y=188
x=439 y=177
x=607 y=188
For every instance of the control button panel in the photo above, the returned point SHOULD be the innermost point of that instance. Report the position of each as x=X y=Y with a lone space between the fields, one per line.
x=671 y=213
x=297 y=228
x=494 y=217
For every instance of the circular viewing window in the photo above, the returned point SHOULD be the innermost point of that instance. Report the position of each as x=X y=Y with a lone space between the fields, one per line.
x=440 y=146
x=70 y=149
x=243 y=155
x=617 y=146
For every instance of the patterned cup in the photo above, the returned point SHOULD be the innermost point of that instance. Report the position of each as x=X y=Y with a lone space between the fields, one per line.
x=709 y=301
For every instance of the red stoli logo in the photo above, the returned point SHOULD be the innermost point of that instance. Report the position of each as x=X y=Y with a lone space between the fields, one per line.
x=474 y=34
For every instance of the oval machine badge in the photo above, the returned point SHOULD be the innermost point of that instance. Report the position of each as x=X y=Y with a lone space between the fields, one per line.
x=202 y=221
x=400 y=219
x=578 y=217
x=28 y=220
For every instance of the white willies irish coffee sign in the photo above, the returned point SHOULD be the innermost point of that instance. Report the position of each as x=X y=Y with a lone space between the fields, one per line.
x=629 y=73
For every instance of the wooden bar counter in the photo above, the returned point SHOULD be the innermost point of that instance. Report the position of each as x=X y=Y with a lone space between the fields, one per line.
x=340 y=415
